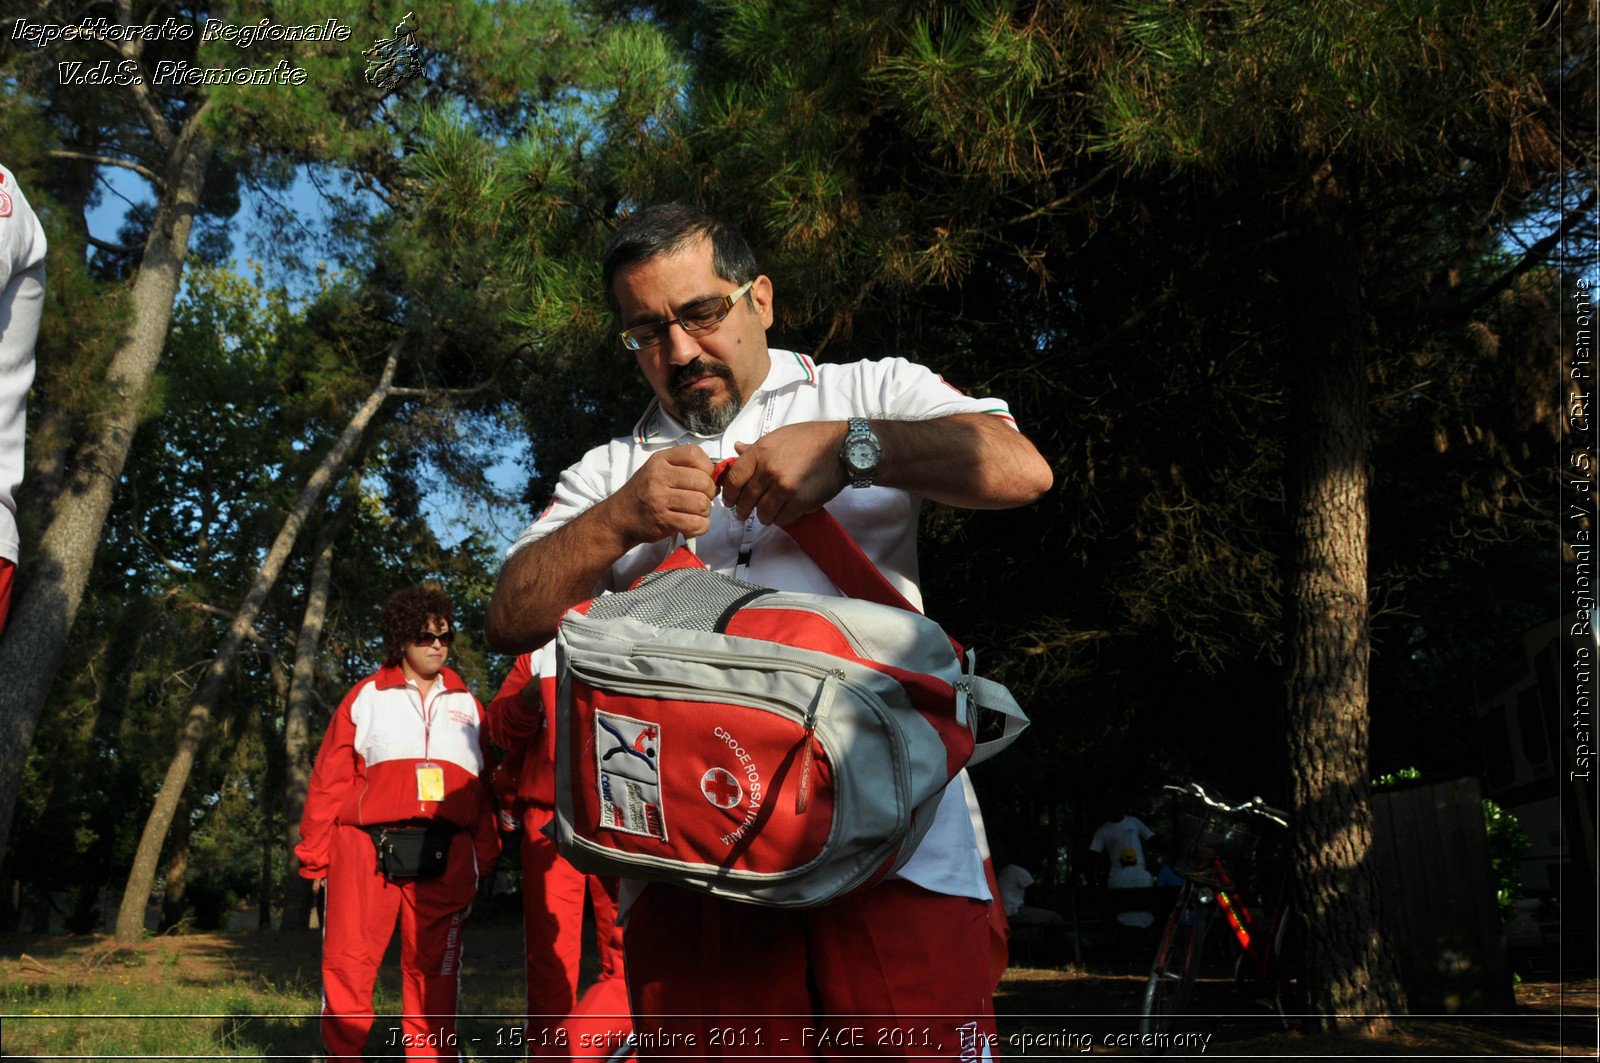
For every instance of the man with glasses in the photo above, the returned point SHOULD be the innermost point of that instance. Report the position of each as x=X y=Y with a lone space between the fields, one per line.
x=868 y=439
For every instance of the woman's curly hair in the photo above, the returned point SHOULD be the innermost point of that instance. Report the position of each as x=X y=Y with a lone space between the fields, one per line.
x=406 y=613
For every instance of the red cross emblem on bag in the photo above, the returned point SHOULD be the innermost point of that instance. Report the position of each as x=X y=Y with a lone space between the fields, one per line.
x=721 y=788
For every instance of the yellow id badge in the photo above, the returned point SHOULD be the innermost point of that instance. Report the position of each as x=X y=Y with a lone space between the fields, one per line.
x=430 y=782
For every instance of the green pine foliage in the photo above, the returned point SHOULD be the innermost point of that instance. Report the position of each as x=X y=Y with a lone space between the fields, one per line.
x=1081 y=207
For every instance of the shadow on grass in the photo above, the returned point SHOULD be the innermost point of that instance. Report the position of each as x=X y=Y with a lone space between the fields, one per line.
x=1050 y=1012
x=275 y=1037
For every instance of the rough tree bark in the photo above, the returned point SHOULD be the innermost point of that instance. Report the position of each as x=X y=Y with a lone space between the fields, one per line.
x=271 y=782
x=176 y=894
x=130 y=916
x=51 y=579
x=297 y=900
x=1351 y=977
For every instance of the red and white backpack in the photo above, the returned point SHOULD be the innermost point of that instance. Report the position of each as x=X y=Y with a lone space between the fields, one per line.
x=771 y=747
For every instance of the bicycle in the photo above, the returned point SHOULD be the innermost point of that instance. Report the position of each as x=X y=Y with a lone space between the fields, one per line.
x=1216 y=845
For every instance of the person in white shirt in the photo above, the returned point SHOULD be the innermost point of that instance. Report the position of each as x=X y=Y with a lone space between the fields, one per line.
x=867 y=439
x=1014 y=880
x=1121 y=832
x=22 y=250
x=1129 y=875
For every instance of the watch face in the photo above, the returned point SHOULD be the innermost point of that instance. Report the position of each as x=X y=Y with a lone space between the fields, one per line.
x=862 y=454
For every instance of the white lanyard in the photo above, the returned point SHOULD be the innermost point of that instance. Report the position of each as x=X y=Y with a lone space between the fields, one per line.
x=426 y=711
x=747 y=542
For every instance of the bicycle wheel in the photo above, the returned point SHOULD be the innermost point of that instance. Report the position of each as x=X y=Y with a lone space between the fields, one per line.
x=1177 y=963
x=1286 y=967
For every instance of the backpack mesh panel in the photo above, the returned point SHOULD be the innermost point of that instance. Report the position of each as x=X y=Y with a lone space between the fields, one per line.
x=690 y=599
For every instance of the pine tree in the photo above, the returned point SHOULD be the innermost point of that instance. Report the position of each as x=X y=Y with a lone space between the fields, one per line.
x=1166 y=229
x=196 y=143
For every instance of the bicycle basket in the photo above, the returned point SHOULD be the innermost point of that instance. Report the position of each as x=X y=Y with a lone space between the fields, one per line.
x=1214 y=848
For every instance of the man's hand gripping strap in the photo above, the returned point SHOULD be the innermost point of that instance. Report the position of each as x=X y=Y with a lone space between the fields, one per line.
x=841 y=559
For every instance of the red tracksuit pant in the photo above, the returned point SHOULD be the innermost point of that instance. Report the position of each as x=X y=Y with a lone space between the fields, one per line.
x=552 y=928
x=894 y=971
x=8 y=575
x=358 y=922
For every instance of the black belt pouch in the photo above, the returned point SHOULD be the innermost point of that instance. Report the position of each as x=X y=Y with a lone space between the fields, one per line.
x=412 y=850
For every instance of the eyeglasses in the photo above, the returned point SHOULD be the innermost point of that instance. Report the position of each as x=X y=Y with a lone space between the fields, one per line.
x=696 y=317
x=428 y=638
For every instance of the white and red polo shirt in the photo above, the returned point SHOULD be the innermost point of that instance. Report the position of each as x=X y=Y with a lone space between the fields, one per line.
x=797 y=390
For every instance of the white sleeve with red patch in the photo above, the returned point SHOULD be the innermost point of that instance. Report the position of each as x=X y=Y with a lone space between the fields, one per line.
x=22 y=242
x=906 y=391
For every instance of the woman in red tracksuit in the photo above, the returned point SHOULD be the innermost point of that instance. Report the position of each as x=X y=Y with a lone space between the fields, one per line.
x=552 y=889
x=404 y=749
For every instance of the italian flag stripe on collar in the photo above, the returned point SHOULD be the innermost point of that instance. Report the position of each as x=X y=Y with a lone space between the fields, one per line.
x=641 y=431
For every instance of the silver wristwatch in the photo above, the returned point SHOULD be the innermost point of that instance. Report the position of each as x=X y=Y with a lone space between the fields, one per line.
x=861 y=452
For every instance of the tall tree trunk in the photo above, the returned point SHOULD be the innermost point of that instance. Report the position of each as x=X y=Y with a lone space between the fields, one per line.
x=10 y=897
x=209 y=690
x=296 y=720
x=52 y=577
x=1350 y=974
x=271 y=788
x=264 y=892
x=49 y=446
x=172 y=900
x=41 y=911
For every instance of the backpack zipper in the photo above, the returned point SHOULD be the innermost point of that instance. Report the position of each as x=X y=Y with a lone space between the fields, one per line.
x=817 y=711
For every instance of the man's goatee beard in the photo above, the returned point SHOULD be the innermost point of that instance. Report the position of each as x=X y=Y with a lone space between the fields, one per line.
x=694 y=405
x=708 y=420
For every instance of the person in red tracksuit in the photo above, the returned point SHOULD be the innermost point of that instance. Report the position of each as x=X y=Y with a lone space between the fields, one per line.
x=406 y=747
x=552 y=889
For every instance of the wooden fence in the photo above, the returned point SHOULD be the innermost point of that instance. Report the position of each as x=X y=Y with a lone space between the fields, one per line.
x=1439 y=898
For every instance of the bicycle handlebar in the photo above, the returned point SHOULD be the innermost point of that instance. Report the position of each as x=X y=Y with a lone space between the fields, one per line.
x=1254 y=806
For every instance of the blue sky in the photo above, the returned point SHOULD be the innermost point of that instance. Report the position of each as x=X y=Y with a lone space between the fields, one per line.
x=449 y=515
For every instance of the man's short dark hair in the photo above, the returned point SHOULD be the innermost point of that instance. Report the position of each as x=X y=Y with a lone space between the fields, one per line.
x=667 y=227
x=407 y=612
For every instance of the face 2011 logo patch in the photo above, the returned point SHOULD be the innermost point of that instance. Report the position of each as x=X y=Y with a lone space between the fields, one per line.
x=628 y=755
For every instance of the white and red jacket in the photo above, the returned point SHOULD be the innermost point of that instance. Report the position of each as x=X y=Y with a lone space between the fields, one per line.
x=366 y=771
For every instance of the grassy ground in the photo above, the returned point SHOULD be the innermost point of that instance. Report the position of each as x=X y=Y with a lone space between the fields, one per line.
x=250 y=996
